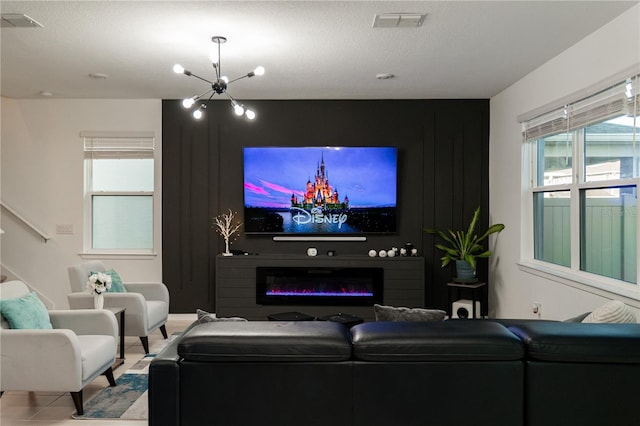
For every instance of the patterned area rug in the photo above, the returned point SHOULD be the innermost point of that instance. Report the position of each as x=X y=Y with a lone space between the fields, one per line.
x=128 y=399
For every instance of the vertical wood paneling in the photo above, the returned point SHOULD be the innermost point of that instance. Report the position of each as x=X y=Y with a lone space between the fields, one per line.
x=460 y=167
x=443 y=177
x=188 y=187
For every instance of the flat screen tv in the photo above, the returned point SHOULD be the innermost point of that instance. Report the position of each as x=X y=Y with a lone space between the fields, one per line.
x=320 y=190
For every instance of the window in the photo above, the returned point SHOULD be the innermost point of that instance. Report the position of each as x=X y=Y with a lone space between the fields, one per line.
x=585 y=165
x=119 y=176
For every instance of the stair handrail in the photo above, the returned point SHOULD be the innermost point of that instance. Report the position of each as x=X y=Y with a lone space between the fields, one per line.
x=21 y=218
x=11 y=275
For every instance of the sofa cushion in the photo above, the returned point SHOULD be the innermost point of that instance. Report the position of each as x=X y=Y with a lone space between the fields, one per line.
x=266 y=341
x=393 y=313
x=578 y=342
x=435 y=341
x=96 y=352
x=613 y=311
x=26 y=312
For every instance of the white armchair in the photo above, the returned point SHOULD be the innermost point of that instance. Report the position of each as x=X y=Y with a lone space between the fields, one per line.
x=80 y=347
x=147 y=304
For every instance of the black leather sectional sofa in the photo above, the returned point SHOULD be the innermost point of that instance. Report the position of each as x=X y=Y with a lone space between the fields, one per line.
x=459 y=372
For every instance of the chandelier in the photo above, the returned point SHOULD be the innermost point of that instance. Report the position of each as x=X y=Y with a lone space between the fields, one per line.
x=218 y=86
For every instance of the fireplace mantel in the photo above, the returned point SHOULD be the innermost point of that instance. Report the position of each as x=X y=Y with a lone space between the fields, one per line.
x=236 y=283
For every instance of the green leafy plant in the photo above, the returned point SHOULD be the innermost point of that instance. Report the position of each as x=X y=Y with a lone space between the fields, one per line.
x=465 y=245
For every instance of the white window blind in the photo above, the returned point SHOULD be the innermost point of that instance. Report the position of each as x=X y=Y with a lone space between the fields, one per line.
x=622 y=98
x=118 y=142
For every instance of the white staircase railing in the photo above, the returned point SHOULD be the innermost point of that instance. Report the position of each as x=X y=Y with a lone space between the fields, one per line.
x=31 y=226
x=50 y=304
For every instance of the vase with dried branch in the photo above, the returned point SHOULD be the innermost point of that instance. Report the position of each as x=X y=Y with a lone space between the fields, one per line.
x=225 y=226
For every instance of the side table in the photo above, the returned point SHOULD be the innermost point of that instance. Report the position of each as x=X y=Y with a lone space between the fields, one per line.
x=476 y=290
x=119 y=311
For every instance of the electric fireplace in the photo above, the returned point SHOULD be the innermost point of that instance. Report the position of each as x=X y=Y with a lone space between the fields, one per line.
x=319 y=286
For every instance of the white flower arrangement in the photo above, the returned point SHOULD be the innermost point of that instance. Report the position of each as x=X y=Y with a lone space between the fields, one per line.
x=99 y=283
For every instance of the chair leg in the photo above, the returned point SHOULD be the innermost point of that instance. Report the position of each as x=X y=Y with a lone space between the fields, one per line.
x=108 y=373
x=145 y=343
x=77 y=401
x=163 y=330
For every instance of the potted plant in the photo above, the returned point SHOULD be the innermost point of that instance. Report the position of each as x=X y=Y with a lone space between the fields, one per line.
x=464 y=247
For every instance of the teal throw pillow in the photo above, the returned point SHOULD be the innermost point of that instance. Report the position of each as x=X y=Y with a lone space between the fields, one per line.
x=116 y=282
x=26 y=312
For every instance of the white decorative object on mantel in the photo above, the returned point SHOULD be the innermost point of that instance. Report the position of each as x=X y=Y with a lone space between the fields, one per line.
x=226 y=228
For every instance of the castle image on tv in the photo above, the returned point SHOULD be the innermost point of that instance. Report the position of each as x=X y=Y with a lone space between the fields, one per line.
x=275 y=204
x=320 y=193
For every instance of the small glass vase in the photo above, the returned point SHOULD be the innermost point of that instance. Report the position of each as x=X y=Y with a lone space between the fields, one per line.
x=98 y=301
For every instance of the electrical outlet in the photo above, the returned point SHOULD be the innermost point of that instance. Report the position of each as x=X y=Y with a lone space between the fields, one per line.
x=536 y=308
x=64 y=229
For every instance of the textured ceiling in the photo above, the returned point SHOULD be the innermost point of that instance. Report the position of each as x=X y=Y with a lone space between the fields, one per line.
x=310 y=49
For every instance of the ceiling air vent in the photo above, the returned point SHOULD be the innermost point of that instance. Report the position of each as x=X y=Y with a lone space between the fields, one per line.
x=18 y=20
x=399 y=20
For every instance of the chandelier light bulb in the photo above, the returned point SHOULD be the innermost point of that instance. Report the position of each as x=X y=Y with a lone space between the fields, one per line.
x=197 y=114
x=225 y=79
x=188 y=102
x=250 y=114
x=259 y=70
x=178 y=69
x=238 y=109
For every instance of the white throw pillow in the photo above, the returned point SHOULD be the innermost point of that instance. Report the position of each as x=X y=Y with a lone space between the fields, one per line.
x=204 y=316
x=393 y=313
x=613 y=312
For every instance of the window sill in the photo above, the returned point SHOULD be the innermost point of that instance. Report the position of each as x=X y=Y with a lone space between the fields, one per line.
x=601 y=286
x=119 y=255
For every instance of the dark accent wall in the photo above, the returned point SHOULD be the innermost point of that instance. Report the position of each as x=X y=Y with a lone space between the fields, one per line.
x=443 y=150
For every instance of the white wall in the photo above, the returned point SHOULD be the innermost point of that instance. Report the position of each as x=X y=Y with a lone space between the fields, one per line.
x=42 y=178
x=606 y=52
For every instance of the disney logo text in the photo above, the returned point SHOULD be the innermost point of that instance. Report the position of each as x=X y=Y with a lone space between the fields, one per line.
x=300 y=216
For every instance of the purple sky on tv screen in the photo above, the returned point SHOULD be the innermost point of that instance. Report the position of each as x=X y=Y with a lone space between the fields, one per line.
x=367 y=175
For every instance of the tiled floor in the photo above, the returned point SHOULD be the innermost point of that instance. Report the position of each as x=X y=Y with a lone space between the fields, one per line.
x=49 y=408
